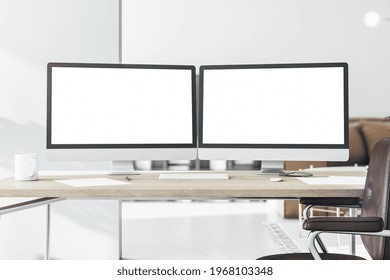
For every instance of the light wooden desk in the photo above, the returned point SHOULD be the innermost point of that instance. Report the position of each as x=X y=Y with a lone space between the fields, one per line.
x=241 y=185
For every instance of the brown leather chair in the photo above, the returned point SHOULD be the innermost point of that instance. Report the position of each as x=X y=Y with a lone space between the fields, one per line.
x=373 y=224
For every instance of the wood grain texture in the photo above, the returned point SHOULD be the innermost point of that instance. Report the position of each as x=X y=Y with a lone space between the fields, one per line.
x=242 y=184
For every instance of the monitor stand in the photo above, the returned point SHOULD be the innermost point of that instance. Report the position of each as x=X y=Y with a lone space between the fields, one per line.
x=123 y=167
x=271 y=167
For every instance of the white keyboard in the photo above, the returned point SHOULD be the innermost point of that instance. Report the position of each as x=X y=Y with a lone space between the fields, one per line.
x=194 y=176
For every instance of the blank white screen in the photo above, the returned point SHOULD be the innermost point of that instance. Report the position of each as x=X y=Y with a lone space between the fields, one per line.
x=121 y=106
x=273 y=106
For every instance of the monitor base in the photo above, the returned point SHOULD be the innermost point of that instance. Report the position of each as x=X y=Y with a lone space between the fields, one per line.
x=296 y=174
x=271 y=167
x=123 y=167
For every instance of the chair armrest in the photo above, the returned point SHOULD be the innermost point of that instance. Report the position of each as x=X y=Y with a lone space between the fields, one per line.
x=345 y=224
x=348 y=202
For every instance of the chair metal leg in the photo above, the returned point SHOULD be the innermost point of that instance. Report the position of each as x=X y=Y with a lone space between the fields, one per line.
x=312 y=237
x=308 y=209
x=321 y=244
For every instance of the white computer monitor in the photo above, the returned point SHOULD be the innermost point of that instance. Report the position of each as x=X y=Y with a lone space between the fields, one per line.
x=274 y=113
x=121 y=112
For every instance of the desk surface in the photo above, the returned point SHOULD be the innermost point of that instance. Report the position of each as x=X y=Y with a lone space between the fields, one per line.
x=242 y=184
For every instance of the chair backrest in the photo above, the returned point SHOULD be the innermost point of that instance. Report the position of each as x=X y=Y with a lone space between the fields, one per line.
x=376 y=198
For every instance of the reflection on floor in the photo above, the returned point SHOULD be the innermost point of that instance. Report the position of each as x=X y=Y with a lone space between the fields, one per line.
x=213 y=230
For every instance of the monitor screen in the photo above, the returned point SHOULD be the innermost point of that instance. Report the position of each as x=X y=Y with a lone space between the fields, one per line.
x=121 y=112
x=274 y=112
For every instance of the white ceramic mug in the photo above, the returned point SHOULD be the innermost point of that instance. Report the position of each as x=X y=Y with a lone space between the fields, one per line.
x=26 y=167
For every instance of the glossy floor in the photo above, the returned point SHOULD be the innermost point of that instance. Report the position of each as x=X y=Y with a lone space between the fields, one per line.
x=214 y=230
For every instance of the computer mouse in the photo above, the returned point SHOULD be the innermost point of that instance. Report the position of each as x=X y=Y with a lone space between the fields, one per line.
x=276 y=179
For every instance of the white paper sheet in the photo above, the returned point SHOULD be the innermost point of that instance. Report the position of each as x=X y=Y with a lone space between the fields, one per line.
x=91 y=182
x=334 y=180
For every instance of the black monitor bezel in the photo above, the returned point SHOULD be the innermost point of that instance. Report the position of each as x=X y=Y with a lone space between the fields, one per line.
x=345 y=145
x=50 y=145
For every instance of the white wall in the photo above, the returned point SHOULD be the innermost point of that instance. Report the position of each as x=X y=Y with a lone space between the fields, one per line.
x=262 y=31
x=32 y=33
